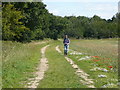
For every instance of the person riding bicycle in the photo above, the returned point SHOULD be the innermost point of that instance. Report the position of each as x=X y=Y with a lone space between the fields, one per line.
x=66 y=43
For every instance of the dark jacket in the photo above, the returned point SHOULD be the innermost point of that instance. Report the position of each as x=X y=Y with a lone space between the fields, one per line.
x=65 y=41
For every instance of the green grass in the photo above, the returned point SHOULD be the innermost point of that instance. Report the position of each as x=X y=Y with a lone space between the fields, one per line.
x=104 y=49
x=60 y=73
x=86 y=65
x=19 y=61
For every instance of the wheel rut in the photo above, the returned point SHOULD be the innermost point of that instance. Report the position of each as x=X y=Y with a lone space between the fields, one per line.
x=41 y=69
x=81 y=74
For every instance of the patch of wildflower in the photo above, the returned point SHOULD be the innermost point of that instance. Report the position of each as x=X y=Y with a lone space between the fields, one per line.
x=98 y=68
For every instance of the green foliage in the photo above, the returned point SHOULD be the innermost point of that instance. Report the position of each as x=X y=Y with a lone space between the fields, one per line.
x=31 y=21
x=12 y=27
x=37 y=18
x=39 y=34
x=75 y=27
x=118 y=20
x=95 y=27
x=57 y=25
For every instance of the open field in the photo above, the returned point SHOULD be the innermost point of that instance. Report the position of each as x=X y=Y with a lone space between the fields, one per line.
x=94 y=57
x=97 y=57
x=106 y=49
x=34 y=44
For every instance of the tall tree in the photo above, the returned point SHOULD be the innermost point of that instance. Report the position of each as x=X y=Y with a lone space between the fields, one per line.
x=12 y=28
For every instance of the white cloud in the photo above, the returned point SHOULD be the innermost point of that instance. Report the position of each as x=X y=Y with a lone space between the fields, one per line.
x=105 y=15
x=104 y=10
x=103 y=7
x=54 y=11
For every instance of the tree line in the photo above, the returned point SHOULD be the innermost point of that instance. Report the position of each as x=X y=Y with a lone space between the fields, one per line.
x=26 y=21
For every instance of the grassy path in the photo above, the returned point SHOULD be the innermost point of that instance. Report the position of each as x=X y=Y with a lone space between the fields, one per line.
x=83 y=76
x=60 y=73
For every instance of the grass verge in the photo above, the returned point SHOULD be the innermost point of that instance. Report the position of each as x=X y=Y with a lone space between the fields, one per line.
x=19 y=60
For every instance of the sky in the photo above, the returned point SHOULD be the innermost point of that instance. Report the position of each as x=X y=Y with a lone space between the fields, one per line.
x=103 y=8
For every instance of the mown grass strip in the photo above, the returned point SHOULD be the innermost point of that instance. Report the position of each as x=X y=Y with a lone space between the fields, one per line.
x=60 y=73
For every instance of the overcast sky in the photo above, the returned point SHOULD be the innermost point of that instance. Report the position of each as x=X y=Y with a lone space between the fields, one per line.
x=103 y=8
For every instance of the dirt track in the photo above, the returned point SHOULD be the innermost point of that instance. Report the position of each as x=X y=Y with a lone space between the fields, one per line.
x=42 y=67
